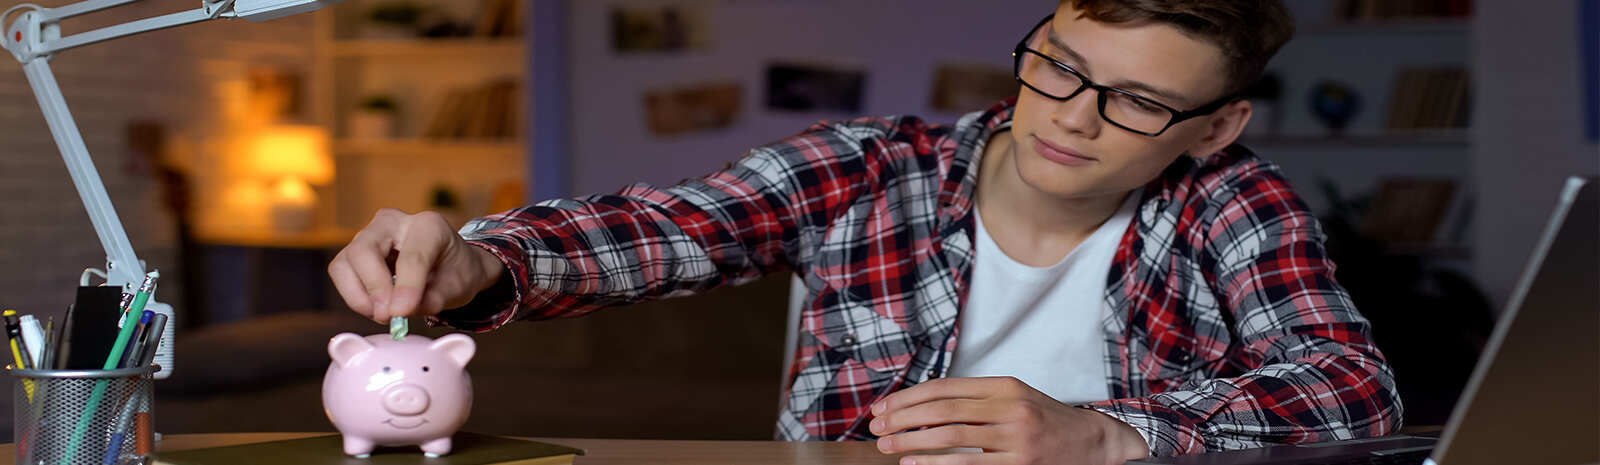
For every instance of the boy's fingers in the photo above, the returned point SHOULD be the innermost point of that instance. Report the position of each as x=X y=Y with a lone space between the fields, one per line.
x=420 y=247
x=349 y=286
x=375 y=277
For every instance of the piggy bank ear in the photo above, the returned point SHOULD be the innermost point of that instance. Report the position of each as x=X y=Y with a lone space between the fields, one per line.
x=346 y=346
x=458 y=347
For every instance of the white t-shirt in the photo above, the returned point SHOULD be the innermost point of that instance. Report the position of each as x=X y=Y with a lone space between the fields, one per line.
x=1041 y=325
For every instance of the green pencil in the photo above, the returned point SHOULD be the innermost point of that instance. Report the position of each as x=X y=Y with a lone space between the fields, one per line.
x=112 y=360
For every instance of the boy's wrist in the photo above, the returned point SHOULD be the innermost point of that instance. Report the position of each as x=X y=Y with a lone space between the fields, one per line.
x=489 y=267
x=1123 y=438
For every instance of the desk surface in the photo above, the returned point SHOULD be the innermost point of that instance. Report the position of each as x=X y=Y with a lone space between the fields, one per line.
x=612 y=451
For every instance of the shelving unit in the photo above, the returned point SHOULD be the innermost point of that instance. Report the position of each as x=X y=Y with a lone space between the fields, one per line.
x=1440 y=138
x=427 y=48
x=1366 y=55
x=1388 y=26
x=356 y=61
x=426 y=147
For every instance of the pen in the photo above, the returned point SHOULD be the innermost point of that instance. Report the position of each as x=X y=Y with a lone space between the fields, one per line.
x=119 y=430
x=64 y=342
x=141 y=335
x=49 y=362
x=33 y=341
x=158 y=327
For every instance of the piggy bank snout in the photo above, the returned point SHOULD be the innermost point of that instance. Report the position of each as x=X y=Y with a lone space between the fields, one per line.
x=405 y=399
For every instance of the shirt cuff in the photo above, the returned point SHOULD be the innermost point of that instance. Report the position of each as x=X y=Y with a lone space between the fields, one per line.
x=491 y=308
x=1166 y=431
x=480 y=313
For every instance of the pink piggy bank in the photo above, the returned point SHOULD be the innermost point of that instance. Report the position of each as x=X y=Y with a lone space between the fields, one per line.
x=383 y=392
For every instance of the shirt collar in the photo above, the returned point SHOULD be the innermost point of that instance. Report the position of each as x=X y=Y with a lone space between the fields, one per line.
x=961 y=182
x=972 y=136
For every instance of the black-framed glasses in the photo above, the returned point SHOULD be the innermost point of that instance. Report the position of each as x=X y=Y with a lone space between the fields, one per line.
x=1124 y=109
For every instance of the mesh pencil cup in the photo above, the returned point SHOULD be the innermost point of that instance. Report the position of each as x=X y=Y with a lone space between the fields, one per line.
x=82 y=417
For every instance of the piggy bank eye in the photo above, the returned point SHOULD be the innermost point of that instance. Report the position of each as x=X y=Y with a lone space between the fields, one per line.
x=385 y=369
x=424 y=368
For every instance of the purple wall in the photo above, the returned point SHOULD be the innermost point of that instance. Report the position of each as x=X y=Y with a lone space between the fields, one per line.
x=897 y=43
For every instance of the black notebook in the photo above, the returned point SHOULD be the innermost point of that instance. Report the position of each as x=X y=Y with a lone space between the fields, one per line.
x=93 y=327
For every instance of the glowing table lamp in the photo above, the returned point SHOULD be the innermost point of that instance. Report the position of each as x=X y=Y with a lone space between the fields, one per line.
x=34 y=38
x=291 y=159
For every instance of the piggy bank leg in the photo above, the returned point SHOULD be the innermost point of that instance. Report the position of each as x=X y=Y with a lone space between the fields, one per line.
x=358 y=447
x=437 y=447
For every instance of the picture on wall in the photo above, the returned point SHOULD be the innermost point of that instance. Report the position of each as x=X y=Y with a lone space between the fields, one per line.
x=813 y=88
x=654 y=30
x=965 y=88
x=688 y=109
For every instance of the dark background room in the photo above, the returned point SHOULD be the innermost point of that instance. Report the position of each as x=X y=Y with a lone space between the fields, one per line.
x=1430 y=138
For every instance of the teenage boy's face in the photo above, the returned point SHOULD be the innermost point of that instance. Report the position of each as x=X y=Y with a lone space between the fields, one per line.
x=1153 y=60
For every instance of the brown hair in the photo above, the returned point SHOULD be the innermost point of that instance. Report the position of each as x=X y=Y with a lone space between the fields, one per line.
x=1248 y=32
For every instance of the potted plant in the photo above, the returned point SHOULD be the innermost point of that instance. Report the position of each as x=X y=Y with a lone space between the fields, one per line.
x=374 y=118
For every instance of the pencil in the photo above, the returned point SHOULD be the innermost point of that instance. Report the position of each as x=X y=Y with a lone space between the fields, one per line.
x=14 y=333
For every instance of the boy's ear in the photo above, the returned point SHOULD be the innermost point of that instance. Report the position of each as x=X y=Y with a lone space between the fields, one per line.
x=1223 y=129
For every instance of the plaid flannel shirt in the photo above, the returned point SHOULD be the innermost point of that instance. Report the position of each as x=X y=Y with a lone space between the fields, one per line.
x=1227 y=329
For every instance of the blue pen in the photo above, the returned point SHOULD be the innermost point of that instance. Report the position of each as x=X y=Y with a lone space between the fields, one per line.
x=113 y=449
x=119 y=431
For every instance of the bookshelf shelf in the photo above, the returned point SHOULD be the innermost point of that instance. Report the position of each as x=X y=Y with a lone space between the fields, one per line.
x=1420 y=25
x=428 y=147
x=429 y=48
x=458 y=107
x=1440 y=138
x=323 y=238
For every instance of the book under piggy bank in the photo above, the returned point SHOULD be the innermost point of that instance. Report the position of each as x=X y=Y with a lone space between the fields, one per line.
x=383 y=392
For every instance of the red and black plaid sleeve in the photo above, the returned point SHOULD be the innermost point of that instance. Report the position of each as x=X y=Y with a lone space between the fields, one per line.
x=572 y=256
x=1282 y=354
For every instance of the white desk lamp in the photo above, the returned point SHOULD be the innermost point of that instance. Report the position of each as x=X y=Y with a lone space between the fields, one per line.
x=35 y=37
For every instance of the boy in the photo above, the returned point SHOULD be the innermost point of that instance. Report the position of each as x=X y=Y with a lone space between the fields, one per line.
x=1090 y=273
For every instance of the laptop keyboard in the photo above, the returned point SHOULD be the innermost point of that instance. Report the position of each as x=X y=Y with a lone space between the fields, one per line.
x=1415 y=457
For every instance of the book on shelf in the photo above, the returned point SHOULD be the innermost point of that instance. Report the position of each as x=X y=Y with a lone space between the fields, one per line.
x=1409 y=211
x=467 y=449
x=489 y=111
x=499 y=18
x=1430 y=98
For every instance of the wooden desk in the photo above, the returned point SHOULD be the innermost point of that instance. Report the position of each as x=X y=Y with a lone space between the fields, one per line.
x=613 y=451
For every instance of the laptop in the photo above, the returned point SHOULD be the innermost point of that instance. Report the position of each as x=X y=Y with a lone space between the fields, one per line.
x=1534 y=396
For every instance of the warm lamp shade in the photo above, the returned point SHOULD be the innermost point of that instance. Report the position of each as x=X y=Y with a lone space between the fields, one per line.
x=291 y=151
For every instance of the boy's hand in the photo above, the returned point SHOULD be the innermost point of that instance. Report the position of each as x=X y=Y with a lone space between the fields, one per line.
x=410 y=265
x=1012 y=422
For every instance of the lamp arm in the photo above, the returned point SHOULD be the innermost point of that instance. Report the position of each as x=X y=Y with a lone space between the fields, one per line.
x=35 y=37
x=37 y=33
x=123 y=268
